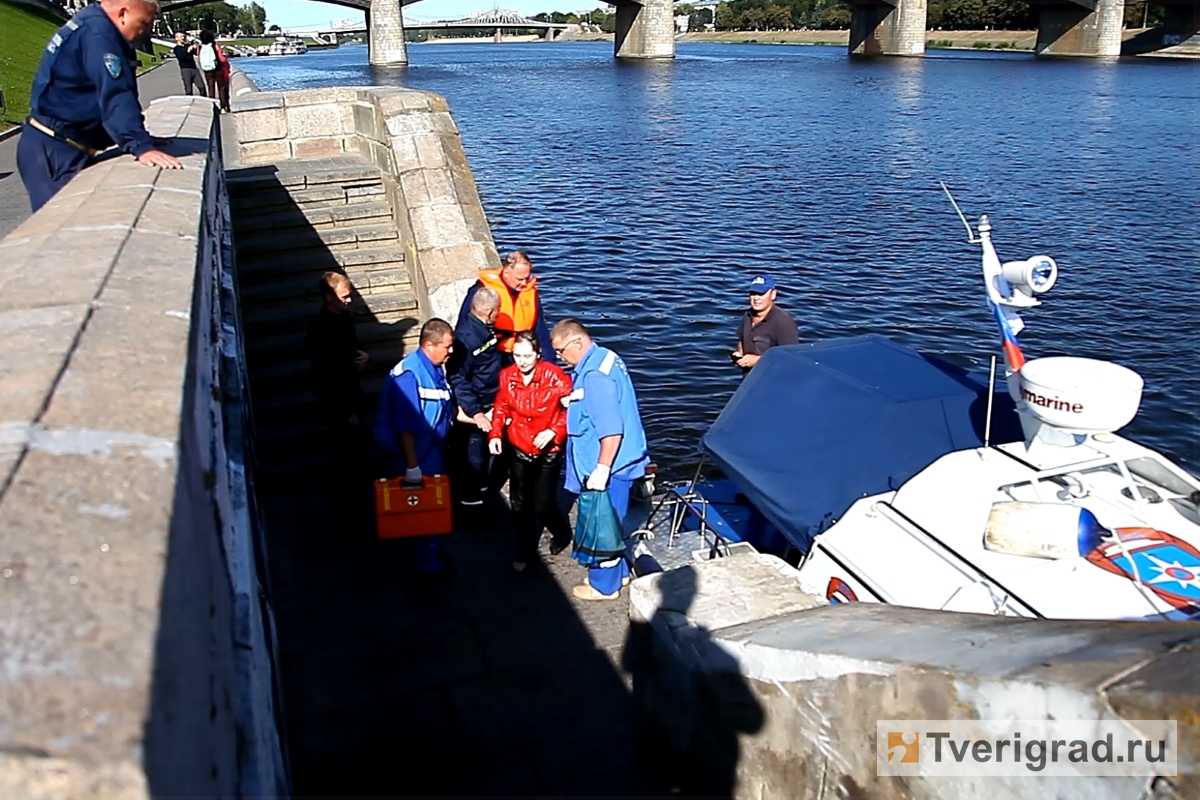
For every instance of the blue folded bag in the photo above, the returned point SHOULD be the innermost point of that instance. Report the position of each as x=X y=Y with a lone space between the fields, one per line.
x=598 y=533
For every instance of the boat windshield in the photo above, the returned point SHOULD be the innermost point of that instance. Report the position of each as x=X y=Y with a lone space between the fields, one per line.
x=1142 y=488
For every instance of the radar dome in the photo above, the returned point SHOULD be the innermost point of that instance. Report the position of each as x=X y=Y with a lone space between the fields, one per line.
x=1080 y=395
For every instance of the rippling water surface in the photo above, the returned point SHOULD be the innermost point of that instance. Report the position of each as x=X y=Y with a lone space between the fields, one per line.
x=646 y=194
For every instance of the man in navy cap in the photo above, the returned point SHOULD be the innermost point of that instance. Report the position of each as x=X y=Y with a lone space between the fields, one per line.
x=764 y=325
x=84 y=98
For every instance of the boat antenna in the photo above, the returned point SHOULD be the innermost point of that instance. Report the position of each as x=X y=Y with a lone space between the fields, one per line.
x=971 y=237
x=987 y=425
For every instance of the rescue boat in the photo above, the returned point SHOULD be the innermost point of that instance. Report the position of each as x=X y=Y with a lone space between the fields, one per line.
x=890 y=476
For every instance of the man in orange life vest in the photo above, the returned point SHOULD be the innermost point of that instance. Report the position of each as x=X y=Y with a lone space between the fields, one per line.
x=520 y=306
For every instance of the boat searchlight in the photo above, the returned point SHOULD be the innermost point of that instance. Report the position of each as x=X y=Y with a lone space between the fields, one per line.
x=1032 y=276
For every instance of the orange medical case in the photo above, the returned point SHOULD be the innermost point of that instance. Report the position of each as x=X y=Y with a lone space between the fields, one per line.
x=402 y=512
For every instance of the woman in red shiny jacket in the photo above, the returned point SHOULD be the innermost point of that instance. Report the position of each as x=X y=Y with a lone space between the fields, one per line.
x=529 y=412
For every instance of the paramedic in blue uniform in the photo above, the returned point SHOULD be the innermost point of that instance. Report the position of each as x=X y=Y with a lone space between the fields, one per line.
x=413 y=419
x=84 y=98
x=606 y=446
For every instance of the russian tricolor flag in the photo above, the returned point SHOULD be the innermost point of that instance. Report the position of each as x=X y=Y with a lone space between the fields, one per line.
x=1008 y=338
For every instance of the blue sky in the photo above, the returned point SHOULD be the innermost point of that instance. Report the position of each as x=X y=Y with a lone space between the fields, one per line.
x=306 y=13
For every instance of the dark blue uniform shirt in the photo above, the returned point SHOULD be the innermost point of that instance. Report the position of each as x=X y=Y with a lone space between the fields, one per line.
x=540 y=327
x=474 y=366
x=85 y=87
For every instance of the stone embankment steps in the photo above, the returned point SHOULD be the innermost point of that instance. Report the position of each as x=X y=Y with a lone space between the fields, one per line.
x=294 y=221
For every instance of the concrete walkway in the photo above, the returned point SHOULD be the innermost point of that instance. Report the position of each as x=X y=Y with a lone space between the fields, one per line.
x=489 y=682
x=159 y=82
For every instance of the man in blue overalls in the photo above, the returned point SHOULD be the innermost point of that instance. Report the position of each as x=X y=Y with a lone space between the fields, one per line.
x=413 y=419
x=84 y=98
x=606 y=446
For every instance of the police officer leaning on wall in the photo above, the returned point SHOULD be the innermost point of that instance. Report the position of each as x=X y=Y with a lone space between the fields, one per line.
x=84 y=98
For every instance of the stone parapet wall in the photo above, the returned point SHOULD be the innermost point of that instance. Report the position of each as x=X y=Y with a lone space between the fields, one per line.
x=750 y=689
x=133 y=657
x=240 y=84
x=411 y=136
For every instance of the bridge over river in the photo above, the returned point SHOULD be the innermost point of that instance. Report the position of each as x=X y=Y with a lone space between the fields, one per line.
x=496 y=19
x=646 y=28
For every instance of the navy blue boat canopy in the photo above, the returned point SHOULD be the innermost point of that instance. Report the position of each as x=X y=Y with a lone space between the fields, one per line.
x=814 y=427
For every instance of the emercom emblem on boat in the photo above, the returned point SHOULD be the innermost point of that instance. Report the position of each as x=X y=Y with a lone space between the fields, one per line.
x=1164 y=564
x=838 y=591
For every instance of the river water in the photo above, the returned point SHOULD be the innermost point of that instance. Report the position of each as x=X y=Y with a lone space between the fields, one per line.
x=647 y=194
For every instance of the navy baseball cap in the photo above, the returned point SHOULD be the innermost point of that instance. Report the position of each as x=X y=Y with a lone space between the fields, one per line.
x=761 y=284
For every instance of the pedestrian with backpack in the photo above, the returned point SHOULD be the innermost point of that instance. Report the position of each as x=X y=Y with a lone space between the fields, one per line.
x=215 y=67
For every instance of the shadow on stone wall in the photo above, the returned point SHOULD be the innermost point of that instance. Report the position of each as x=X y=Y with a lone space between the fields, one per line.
x=688 y=722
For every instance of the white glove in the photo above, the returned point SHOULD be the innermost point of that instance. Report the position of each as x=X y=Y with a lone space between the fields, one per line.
x=566 y=401
x=598 y=480
x=412 y=475
x=542 y=439
x=495 y=446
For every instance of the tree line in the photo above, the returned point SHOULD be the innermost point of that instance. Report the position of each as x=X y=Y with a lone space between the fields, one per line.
x=222 y=18
x=781 y=15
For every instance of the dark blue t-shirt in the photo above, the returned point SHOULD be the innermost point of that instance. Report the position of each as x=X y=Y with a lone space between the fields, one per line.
x=185 y=58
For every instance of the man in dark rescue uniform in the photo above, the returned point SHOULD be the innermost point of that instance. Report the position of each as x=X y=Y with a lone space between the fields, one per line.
x=84 y=98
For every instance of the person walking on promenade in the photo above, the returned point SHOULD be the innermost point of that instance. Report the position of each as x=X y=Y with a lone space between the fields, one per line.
x=520 y=304
x=216 y=69
x=764 y=325
x=84 y=98
x=529 y=413
x=185 y=57
x=474 y=375
x=606 y=445
x=337 y=361
x=413 y=420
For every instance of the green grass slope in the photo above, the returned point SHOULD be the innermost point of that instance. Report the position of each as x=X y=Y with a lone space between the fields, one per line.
x=24 y=31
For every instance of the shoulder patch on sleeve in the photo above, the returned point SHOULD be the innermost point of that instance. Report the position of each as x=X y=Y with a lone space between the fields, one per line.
x=112 y=62
x=607 y=364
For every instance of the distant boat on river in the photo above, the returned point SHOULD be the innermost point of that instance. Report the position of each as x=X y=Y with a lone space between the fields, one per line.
x=287 y=46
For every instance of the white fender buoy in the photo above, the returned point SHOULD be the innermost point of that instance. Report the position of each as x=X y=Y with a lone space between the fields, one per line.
x=1042 y=530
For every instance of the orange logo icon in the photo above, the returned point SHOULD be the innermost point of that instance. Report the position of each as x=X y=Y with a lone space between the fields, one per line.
x=903 y=748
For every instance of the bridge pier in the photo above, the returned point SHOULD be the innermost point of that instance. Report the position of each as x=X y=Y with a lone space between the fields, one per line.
x=1081 y=28
x=645 y=29
x=385 y=34
x=895 y=28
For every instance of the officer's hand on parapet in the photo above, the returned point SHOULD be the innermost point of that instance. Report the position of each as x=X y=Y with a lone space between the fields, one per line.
x=483 y=422
x=157 y=158
x=495 y=446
